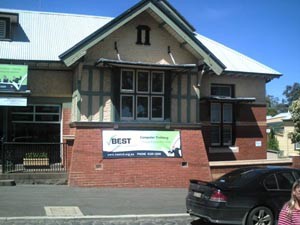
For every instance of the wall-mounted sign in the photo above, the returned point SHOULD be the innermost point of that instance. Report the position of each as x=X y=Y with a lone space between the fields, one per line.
x=13 y=78
x=13 y=101
x=141 y=144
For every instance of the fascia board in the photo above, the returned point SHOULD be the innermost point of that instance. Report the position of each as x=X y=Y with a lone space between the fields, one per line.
x=207 y=59
x=82 y=51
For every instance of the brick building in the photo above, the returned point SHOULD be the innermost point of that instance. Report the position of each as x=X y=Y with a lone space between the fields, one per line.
x=140 y=100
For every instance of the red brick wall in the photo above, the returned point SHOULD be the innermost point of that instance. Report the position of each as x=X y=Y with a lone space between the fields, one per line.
x=88 y=168
x=66 y=115
x=250 y=128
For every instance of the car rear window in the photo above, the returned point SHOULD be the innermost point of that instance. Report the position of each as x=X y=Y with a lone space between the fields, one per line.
x=238 y=177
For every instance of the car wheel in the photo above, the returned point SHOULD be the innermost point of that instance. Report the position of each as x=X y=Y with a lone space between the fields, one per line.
x=260 y=216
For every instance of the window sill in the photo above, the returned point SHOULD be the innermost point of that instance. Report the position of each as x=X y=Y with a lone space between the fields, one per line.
x=137 y=125
x=229 y=149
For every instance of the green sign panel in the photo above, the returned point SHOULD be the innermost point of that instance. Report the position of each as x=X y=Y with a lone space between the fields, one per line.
x=13 y=78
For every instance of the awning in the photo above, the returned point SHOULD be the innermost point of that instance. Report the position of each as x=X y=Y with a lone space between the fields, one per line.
x=121 y=63
x=229 y=99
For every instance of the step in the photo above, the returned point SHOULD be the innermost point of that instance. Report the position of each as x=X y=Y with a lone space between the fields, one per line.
x=7 y=183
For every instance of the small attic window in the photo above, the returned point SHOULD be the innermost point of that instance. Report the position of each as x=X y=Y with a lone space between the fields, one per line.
x=143 y=35
x=7 y=21
x=4 y=28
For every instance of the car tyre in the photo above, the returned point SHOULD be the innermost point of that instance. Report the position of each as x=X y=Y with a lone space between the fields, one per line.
x=260 y=216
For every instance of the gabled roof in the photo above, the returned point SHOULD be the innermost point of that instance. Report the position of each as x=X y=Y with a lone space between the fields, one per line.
x=161 y=9
x=44 y=36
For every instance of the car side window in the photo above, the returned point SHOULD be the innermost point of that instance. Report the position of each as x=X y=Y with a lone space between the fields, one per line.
x=270 y=182
x=296 y=174
x=285 y=180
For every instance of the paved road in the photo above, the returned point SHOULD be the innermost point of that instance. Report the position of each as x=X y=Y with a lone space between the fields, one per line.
x=63 y=205
x=145 y=221
x=31 y=200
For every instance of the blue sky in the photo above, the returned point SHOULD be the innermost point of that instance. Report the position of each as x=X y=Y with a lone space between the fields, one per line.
x=265 y=30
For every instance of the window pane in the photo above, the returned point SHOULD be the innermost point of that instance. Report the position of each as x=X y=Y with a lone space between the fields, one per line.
x=47 y=118
x=227 y=113
x=127 y=106
x=157 y=107
x=2 y=29
x=158 y=82
x=47 y=109
x=285 y=180
x=270 y=182
x=22 y=109
x=127 y=80
x=219 y=90
x=215 y=135
x=143 y=81
x=22 y=117
x=215 y=113
x=297 y=146
x=227 y=135
x=142 y=107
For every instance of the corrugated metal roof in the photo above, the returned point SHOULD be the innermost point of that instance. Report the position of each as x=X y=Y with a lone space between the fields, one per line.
x=43 y=36
x=233 y=60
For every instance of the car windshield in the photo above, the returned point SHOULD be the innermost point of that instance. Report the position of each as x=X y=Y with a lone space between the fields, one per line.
x=238 y=177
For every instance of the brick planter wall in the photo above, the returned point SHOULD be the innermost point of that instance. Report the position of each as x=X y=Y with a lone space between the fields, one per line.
x=88 y=168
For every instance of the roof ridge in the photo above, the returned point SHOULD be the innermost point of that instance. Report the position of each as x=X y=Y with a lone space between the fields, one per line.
x=54 y=13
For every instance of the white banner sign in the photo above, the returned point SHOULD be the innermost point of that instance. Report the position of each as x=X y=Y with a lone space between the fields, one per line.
x=13 y=101
x=141 y=144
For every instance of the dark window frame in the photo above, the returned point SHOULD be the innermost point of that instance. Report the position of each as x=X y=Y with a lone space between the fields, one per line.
x=221 y=123
x=143 y=29
x=7 y=28
x=135 y=94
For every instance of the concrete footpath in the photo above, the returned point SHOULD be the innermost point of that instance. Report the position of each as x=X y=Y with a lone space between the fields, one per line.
x=60 y=204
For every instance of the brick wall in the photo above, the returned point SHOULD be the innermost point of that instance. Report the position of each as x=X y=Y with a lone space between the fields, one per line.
x=250 y=131
x=88 y=168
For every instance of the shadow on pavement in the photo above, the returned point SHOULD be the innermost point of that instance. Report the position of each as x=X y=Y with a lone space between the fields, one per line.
x=201 y=222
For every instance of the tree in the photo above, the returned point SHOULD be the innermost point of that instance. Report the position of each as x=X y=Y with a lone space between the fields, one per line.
x=292 y=92
x=274 y=106
x=272 y=141
x=295 y=112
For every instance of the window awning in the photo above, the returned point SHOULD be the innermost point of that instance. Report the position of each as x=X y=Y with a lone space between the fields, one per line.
x=229 y=99
x=121 y=63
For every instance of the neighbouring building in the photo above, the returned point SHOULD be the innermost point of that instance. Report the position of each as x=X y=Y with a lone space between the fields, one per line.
x=283 y=125
x=140 y=100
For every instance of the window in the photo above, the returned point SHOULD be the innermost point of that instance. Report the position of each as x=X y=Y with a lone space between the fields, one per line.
x=143 y=35
x=221 y=90
x=34 y=123
x=36 y=114
x=142 y=95
x=270 y=182
x=297 y=146
x=221 y=124
x=285 y=180
x=2 y=29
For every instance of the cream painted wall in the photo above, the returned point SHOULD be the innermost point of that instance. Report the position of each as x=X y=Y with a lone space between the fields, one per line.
x=126 y=38
x=99 y=113
x=244 y=86
x=284 y=141
x=47 y=83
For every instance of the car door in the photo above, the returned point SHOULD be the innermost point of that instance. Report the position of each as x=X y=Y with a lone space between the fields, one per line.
x=279 y=187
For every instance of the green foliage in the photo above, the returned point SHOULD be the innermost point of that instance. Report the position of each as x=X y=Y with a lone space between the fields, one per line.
x=292 y=92
x=272 y=141
x=295 y=111
x=36 y=155
x=274 y=106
